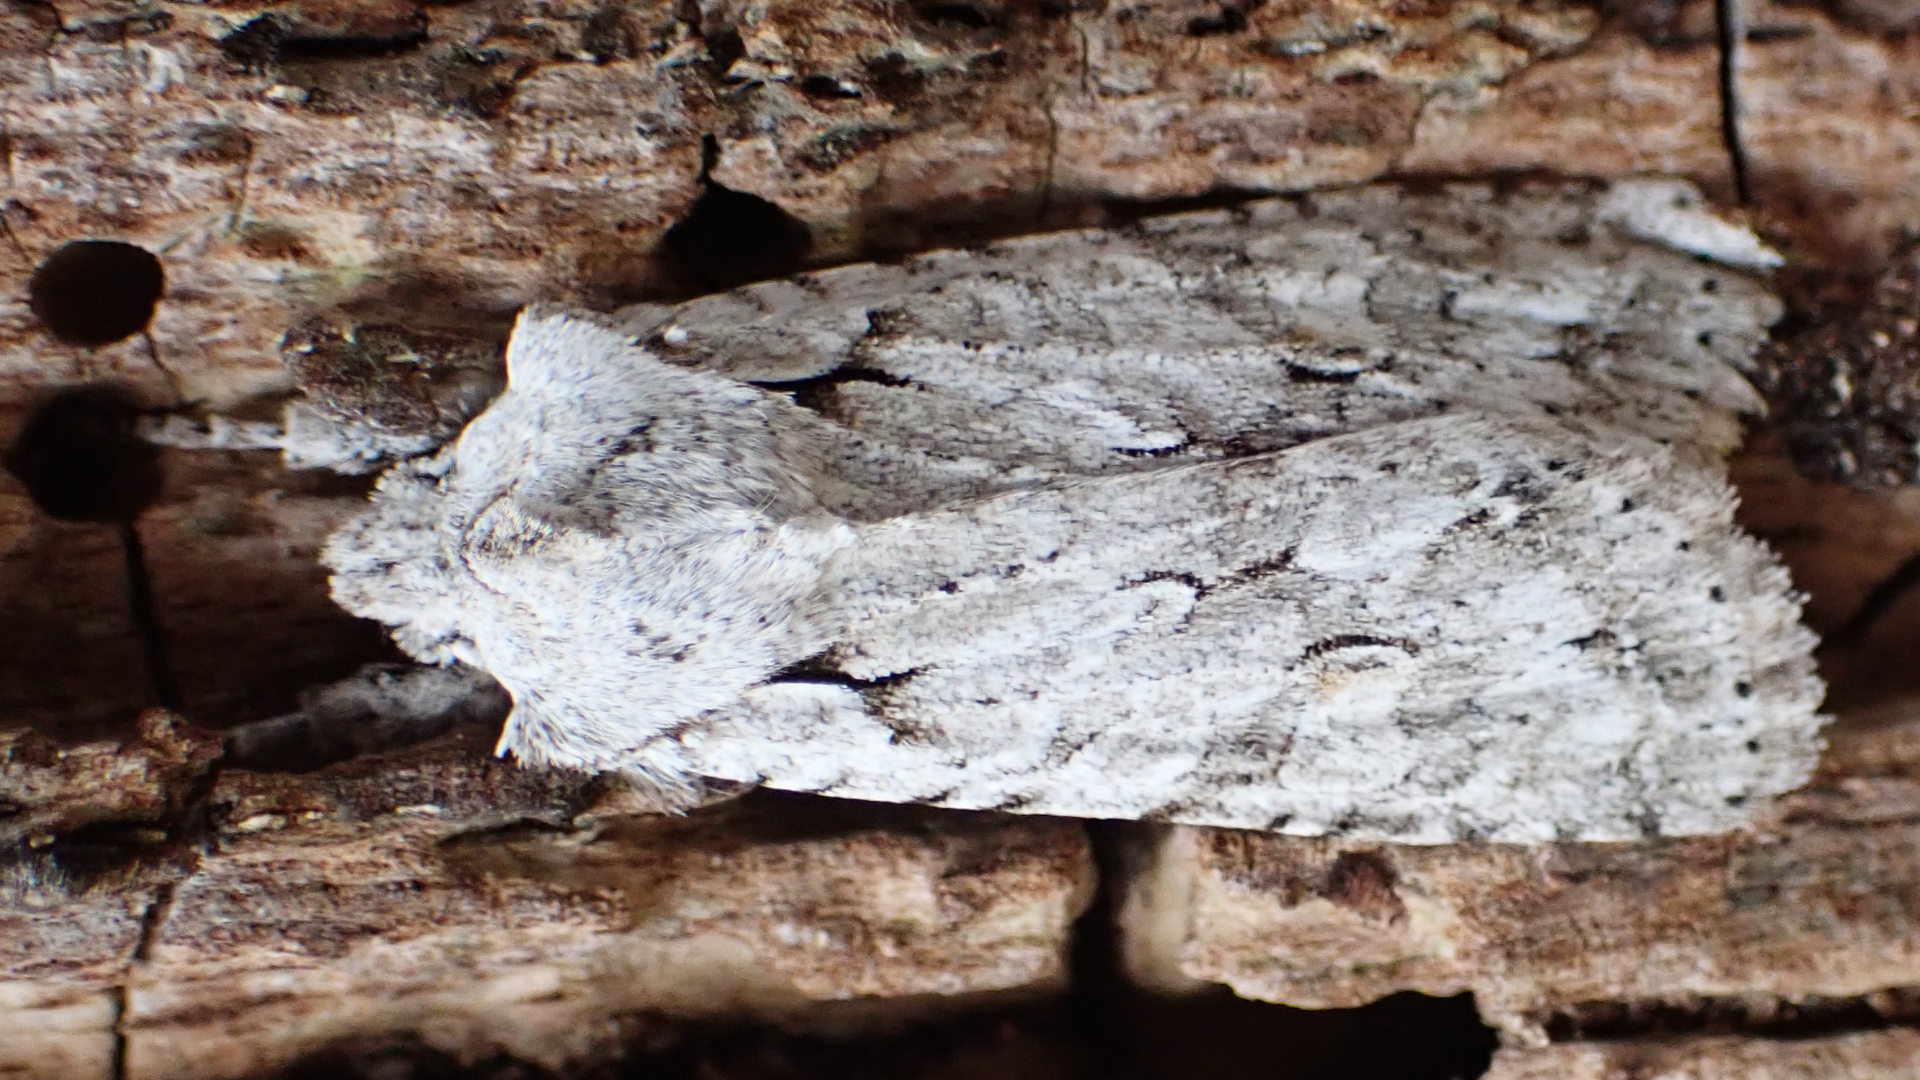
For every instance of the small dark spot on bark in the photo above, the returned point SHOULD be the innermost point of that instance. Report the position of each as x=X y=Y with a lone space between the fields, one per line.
x=1772 y=32
x=1363 y=882
x=828 y=87
x=954 y=13
x=724 y=49
x=80 y=460
x=1225 y=20
x=894 y=80
x=96 y=292
x=608 y=35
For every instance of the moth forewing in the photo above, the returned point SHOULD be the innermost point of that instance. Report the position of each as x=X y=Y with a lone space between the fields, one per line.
x=1377 y=514
x=1437 y=630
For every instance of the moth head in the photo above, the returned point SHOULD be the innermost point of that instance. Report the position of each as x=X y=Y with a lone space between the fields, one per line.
x=622 y=543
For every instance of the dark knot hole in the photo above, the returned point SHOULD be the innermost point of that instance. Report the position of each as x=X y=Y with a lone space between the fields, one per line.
x=96 y=292
x=80 y=458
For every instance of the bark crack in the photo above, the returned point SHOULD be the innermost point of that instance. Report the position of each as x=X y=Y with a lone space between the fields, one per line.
x=151 y=920
x=1730 y=27
x=146 y=620
x=117 y=1066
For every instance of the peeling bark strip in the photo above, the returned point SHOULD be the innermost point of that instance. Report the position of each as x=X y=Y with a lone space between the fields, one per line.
x=1464 y=593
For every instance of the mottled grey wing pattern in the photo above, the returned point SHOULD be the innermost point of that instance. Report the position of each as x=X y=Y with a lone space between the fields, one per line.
x=1443 y=629
x=1377 y=513
x=1213 y=335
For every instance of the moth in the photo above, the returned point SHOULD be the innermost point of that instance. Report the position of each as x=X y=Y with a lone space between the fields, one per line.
x=1383 y=513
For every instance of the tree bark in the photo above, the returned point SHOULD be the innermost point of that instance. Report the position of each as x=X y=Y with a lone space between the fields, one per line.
x=167 y=911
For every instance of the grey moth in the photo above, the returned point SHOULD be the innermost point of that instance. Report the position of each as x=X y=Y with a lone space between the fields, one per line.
x=1379 y=512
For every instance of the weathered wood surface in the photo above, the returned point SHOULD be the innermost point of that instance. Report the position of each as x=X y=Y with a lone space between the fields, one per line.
x=1820 y=902
x=226 y=924
x=1871 y=1055
x=444 y=165
x=188 y=917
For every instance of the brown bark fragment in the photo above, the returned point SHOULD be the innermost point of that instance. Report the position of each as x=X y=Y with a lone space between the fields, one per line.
x=1818 y=903
x=398 y=380
x=1844 y=546
x=486 y=909
x=1827 y=119
x=1640 y=96
x=239 y=596
x=317 y=155
x=1870 y=1055
x=90 y=839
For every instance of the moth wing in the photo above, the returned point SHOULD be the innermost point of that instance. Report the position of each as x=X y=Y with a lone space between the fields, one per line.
x=1217 y=334
x=1443 y=629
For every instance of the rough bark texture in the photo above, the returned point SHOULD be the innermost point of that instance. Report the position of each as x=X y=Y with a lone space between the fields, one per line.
x=1817 y=903
x=223 y=926
x=1826 y=110
x=1862 y=1056
x=380 y=164
x=444 y=165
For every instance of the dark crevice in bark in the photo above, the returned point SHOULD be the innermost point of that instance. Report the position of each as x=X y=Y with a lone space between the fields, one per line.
x=1129 y=1033
x=146 y=619
x=1728 y=23
x=117 y=1065
x=151 y=920
x=1885 y=594
x=732 y=238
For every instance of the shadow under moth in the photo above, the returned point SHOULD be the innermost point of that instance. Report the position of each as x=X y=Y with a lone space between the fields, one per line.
x=1375 y=512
